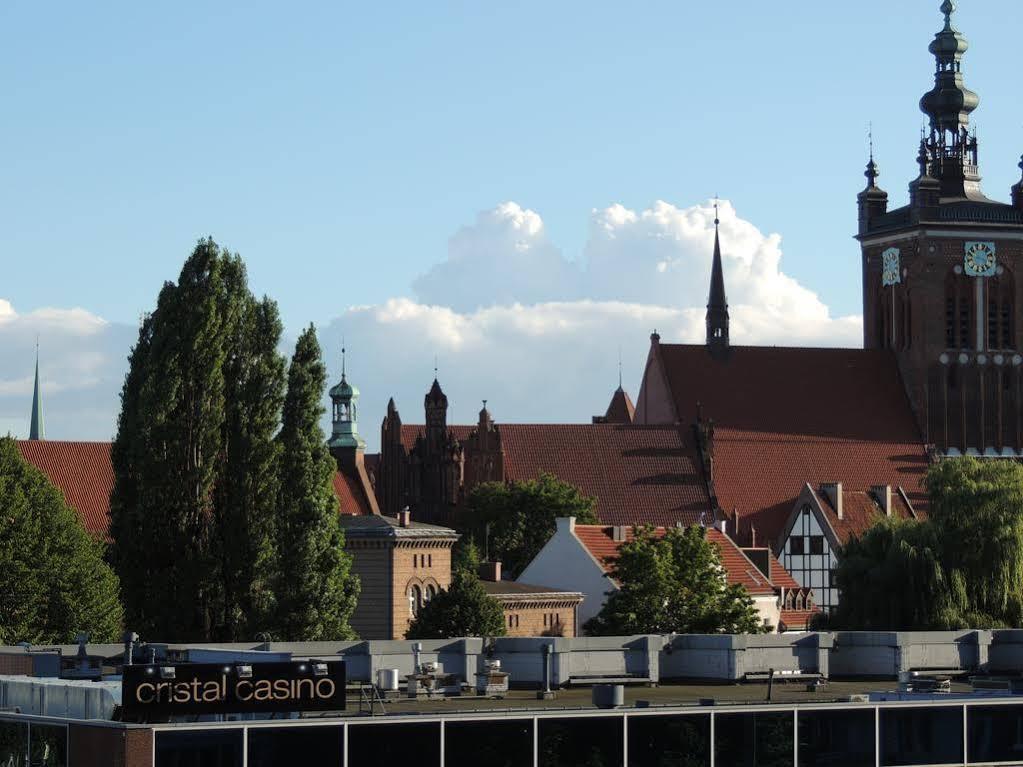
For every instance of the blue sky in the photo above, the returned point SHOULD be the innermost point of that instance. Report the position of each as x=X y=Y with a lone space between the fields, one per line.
x=340 y=147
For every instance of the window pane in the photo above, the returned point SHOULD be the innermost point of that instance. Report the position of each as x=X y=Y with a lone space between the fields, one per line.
x=836 y=738
x=494 y=743
x=669 y=741
x=753 y=740
x=277 y=747
x=996 y=733
x=596 y=742
x=49 y=746
x=208 y=748
x=387 y=745
x=13 y=743
x=921 y=736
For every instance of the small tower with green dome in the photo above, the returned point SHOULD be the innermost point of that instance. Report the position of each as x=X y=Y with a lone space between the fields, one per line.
x=344 y=414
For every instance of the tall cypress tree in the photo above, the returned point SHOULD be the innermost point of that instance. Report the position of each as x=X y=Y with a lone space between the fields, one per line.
x=316 y=590
x=198 y=415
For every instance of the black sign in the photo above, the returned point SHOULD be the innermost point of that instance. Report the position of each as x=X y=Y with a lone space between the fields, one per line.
x=157 y=691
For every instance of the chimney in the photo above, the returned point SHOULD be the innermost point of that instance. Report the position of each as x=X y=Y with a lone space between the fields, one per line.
x=490 y=571
x=722 y=526
x=405 y=517
x=883 y=495
x=833 y=492
x=565 y=525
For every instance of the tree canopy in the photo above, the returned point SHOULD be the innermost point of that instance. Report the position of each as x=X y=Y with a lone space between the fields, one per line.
x=53 y=580
x=200 y=471
x=517 y=518
x=962 y=567
x=316 y=590
x=673 y=583
x=464 y=609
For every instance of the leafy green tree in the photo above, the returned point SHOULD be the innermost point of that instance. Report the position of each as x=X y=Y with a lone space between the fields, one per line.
x=316 y=590
x=194 y=455
x=673 y=583
x=518 y=518
x=960 y=568
x=53 y=580
x=464 y=609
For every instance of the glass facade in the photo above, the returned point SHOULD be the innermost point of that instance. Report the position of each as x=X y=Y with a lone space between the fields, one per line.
x=836 y=738
x=495 y=743
x=13 y=743
x=581 y=742
x=945 y=731
x=388 y=745
x=926 y=735
x=996 y=734
x=48 y=745
x=200 y=748
x=278 y=746
x=669 y=741
x=754 y=740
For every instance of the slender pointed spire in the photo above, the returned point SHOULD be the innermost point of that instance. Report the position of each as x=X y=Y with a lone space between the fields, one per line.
x=342 y=358
x=35 y=429
x=717 y=302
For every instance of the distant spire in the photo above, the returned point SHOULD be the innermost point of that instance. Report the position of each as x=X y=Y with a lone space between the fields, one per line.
x=35 y=429
x=717 y=302
x=342 y=358
x=619 y=366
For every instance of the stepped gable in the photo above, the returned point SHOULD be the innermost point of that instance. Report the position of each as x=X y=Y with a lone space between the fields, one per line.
x=784 y=417
x=83 y=473
x=638 y=474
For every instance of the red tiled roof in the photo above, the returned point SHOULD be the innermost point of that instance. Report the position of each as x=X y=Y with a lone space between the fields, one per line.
x=798 y=620
x=599 y=540
x=83 y=473
x=638 y=474
x=781 y=577
x=859 y=512
x=785 y=417
x=349 y=495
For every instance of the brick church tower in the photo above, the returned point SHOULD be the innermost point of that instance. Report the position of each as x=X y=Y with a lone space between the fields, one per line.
x=941 y=276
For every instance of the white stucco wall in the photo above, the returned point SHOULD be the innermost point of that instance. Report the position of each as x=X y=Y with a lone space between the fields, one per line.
x=564 y=563
x=767 y=608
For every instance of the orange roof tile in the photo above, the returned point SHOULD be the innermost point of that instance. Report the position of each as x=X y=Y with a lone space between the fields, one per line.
x=785 y=417
x=599 y=540
x=349 y=495
x=798 y=620
x=83 y=473
x=638 y=474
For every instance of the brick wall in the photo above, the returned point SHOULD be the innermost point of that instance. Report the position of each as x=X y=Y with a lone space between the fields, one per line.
x=90 y=746
x=372 y=563
x=416 y=563
x=524 y=620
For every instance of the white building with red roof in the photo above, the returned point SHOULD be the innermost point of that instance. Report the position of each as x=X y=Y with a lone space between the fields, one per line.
x=580 y=558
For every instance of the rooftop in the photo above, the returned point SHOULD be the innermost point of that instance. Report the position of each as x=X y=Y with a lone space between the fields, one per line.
x=374 y=526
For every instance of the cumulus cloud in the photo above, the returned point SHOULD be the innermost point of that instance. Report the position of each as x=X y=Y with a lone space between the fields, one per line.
x=505 y=256
x=82 y=363
x=508 y=317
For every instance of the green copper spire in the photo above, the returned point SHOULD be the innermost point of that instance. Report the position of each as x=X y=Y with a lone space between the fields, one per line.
x=344 y=415
x=35 y=428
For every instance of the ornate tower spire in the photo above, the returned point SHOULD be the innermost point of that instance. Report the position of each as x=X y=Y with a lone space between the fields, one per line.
x=344 y=415
x=35 y=428
x=873 y=200
x=717 y=302
x=952 y=150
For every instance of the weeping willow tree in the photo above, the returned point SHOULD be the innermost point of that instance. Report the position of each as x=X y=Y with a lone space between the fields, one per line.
x=962 y=567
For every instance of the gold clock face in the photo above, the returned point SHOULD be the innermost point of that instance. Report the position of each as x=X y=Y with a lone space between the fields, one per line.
x=890 y=267
x=979 y=260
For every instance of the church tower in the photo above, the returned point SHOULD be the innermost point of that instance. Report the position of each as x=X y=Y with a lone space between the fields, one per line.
x=345 y=443
x=940 y=275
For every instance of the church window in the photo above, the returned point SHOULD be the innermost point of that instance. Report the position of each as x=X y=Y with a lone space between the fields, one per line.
x=415 y=600
x=959 y=308
x=1000 y=312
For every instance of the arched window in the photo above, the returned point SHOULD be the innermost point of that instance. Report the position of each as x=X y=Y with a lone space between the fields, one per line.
x=415 y=600
x=431 y=592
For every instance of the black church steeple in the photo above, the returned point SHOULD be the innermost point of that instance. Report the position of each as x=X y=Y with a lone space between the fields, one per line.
x=717 y=302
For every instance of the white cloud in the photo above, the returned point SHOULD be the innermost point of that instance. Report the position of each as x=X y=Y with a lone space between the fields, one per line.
x=504 y=257
x=507 y=316
x=82 y=363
